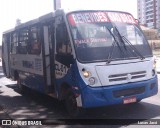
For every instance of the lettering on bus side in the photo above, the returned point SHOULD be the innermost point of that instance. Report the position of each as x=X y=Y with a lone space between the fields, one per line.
x=28 y=64
x=60 y=70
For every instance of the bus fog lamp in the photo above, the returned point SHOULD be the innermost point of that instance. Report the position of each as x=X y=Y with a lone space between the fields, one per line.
x=92 y=81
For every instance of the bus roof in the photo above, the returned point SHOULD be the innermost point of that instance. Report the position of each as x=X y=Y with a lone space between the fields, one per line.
x=31 y=22
x=50 y=15
x=8 y=31
x=85 y=10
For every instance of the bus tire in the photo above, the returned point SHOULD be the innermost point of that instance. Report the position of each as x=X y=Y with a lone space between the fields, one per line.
x=21 y=87
x=71 y=105
x=139 y=101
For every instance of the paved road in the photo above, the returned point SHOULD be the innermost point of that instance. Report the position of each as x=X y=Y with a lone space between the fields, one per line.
x=33 y=105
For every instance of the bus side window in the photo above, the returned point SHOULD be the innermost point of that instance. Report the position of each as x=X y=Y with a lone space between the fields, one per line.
x=63 y=46
x=14 y=43
x=62 y=40
x=23 y=41
x=35 y=45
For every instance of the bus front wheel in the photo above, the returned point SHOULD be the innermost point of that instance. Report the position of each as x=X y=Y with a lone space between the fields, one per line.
x=71 y=106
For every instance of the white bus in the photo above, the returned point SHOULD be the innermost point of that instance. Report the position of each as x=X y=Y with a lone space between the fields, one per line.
x=87 y=58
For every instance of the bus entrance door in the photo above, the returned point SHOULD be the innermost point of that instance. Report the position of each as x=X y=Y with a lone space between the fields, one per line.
x=47 y=71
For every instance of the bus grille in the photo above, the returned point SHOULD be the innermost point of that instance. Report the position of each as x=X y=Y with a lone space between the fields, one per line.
x=128 y=92
x=127 y=76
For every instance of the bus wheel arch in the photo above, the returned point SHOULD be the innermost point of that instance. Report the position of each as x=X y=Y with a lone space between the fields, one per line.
x=72 y=107
x=63 y=90
x=69 y=99
x=15 y=75
x=21 y=87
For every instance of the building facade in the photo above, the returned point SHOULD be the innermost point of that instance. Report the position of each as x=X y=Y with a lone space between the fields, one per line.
x=149 y=13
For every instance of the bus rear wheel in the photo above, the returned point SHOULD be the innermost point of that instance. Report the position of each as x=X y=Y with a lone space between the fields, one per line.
x=21 y=87
x=71 y=106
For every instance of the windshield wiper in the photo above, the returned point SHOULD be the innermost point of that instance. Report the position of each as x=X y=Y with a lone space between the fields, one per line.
x=119 y=36
x=135 y=50
x=109 y=58
x=123 y=38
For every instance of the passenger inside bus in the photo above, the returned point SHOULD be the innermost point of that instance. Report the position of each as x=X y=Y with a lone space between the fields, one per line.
x=35 y=42
x=35 y=48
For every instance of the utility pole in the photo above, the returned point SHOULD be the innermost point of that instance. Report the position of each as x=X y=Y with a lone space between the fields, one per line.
x=57 y=4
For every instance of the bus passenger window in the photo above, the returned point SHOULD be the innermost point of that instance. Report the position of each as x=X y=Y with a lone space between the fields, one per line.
x=14 y=43
x=63 y=46
x=62 y=40
x=23 y=41
x=35 y=45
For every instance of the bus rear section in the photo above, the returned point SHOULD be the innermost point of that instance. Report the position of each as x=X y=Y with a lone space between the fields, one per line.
x=115 y=64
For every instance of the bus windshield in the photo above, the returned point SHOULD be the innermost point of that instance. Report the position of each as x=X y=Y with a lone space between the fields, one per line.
x=95 y=38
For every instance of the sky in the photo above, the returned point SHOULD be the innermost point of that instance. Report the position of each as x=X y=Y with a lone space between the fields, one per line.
x=26 y=10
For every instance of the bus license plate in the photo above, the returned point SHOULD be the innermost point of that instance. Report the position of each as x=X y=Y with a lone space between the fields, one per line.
x=129 y=100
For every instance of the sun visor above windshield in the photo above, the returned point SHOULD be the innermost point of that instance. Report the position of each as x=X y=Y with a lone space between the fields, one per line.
x=94 y=17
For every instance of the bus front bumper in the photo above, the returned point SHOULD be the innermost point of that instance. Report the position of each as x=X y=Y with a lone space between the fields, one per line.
x=110 y=95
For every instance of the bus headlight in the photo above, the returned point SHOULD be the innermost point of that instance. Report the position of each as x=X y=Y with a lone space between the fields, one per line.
x=86 y=74
x=92 y=81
